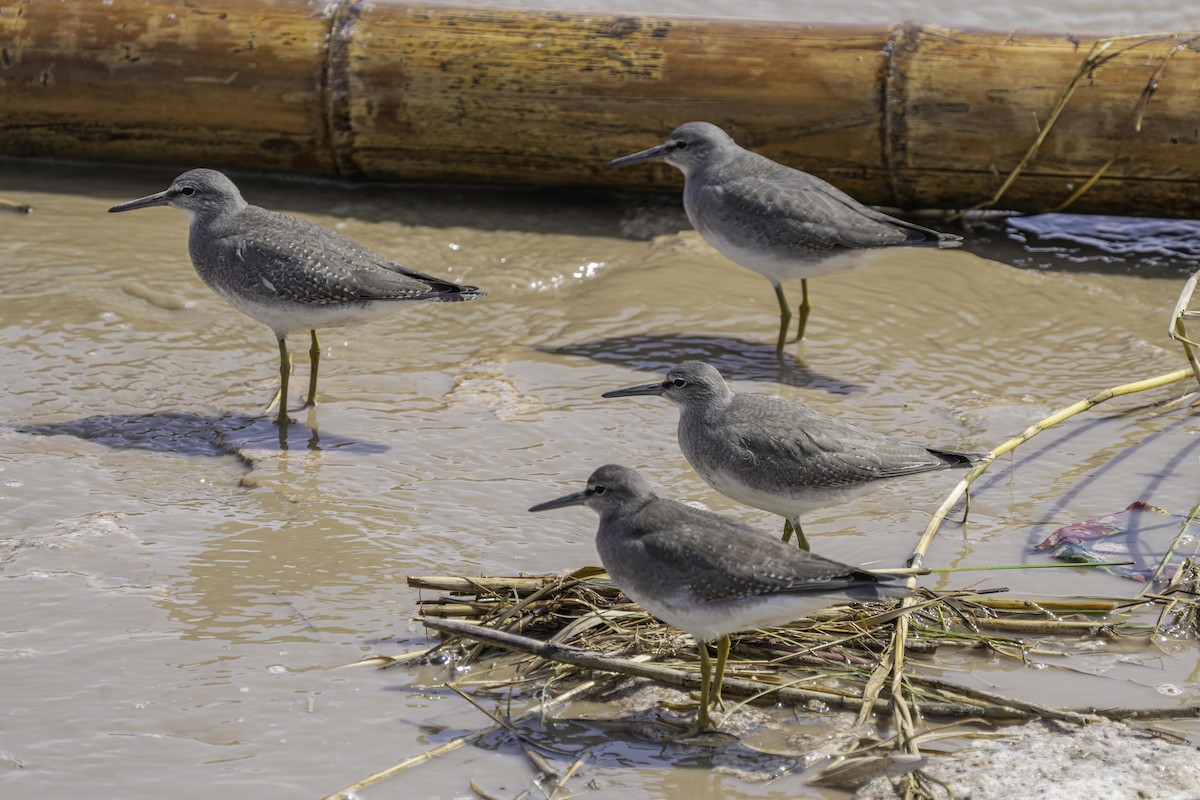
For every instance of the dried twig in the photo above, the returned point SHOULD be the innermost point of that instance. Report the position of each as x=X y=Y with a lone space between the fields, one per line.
x=970 y=702
x=1098 y=56
x=20 y=208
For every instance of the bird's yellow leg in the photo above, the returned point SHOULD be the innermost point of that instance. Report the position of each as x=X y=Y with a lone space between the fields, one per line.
x=805 y=307
x=314 y=356
x=723 y=645
x=785 y=319
x=792 y=525
x=703 y=721
x=285 y=372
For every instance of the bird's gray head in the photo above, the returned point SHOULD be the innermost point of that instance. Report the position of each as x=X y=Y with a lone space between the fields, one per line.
x=690 y=383
x=610 y=489
x=691 y=145
x=199 y=193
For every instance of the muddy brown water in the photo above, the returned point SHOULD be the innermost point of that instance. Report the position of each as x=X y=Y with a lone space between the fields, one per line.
x=177 y=582
x=1104 y=17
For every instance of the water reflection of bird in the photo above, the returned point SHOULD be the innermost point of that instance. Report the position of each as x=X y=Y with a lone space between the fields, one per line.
x=287 y=273
x=778 y=455
x=778 y=221
x=707 y=574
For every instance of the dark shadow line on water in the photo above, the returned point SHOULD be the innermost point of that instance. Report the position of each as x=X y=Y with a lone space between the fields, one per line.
x=189 y=434
x=528 y=209
x=736 y=359
x=1154 y=480
x=1137 y=542
x=1141 y=544
x=1028 y=453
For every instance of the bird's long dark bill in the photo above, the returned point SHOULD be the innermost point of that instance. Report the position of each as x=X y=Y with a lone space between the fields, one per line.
x=573 y=499
x=635 y=391
x=160 y=199
x=652 y=154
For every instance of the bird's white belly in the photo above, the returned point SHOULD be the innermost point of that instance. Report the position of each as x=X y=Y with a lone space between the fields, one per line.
x=706 y=621
x=790 y=501
x=285 y=317
x=777 y=269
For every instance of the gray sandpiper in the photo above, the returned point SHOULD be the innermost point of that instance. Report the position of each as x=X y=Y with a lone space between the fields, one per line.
x=707 y=574
x=779 y=455
x=777 y=221
x=288 y=273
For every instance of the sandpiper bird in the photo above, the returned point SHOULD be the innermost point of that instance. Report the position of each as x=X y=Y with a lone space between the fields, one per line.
x=781 y=456
x=706 y=574
x=287 y=273
x=778 y=221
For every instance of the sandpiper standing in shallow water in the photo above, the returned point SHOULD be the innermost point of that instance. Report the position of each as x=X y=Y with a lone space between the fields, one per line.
x=288 y=273
x=778 y=455
x=707 y=574
x=778 y=221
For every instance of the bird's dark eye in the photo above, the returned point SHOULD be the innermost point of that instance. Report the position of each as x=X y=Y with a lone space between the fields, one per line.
x=679 y=383
x=681 y=145
x=187 y=191
x=598 y=490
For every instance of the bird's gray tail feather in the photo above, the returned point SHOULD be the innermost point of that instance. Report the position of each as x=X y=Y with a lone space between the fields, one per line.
x=956 y=458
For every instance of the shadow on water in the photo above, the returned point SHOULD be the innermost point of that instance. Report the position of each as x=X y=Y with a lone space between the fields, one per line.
x=633 y=741
x=580 y=212
x=736 y=359
x=188 y=434
x=1125 y=465
x=1143 y=544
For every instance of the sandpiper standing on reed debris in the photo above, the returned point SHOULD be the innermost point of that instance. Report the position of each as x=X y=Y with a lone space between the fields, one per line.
x=707 y=574
x=778 y=455
x=778 y=221
x=288 y=273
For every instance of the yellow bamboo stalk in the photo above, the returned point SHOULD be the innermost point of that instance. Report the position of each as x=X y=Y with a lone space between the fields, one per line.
x=1177 y=329
x=466 y=585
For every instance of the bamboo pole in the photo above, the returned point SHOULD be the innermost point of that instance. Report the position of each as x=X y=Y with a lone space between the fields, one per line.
x=521 y=586
x=166 y=81
x=903 y=115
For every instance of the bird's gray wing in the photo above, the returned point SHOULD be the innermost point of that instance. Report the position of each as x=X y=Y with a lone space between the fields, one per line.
x=307 y=263
x=827 y=451
x=803 y=208
x=718 y=557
